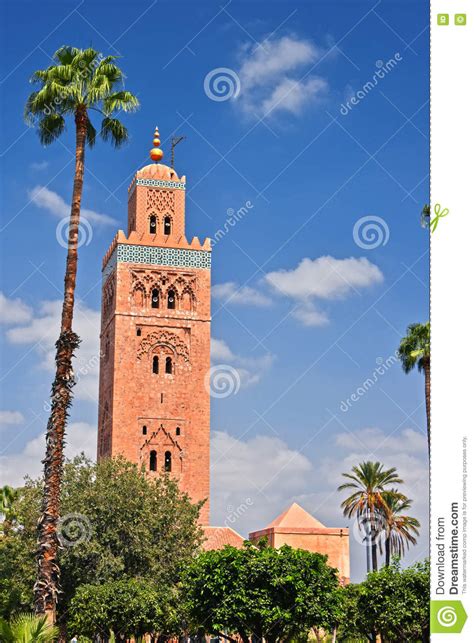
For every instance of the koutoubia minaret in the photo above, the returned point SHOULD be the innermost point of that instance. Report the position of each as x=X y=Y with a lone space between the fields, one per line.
x=154 y=406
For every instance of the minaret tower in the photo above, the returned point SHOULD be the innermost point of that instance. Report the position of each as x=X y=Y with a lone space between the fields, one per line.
x=154 y=406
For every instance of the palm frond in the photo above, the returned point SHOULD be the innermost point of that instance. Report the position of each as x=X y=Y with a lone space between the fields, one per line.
x=114 y=131
x=90 y=134
x=120 y=101
x=65 y=54
x=50 y=128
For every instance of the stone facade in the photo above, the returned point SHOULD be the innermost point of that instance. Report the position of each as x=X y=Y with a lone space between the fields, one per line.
x=154 y=406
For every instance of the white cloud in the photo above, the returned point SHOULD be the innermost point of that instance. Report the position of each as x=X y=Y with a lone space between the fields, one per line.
x=80 y=436
x=48 y=200
x=220 y=351
x=270 y=76
x=309 y=315
x=10 y=417
x=42 y=331
x=293 y=95
x=231 y=293
x=39 y=165
x=262 y=469
x=13 y=311
x=374 y=438
x=250 y=369
x=325 y=278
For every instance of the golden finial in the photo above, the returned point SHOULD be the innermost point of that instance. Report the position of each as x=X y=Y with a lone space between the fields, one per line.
x=156 y=154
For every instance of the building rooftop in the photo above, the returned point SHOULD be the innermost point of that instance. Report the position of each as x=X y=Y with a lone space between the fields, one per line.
x=219 y=537
x=296 y=516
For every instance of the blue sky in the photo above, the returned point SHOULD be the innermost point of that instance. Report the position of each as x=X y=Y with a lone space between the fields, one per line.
x=303 y=337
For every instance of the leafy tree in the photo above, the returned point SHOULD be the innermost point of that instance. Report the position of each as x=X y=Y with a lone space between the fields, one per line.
x=80 y=80
x=117 y=523
x=414 y=350
x=7 y=500
x=400 y=530
x=368 y=481
x=392 y=603
x=261 y=592
x=17 y=573
x=27 y=628
x=130 y=608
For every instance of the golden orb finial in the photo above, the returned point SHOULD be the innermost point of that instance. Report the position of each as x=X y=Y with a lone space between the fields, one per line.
x=155 y=153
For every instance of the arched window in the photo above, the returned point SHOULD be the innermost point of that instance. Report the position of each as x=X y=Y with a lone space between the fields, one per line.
x=153 y=460
x=156 y=366
x=171 y=299
x=139 y=332
x=178 y=430
x=167 y=225
x=144 y=430
x=168 y=461
x=169 y=366
x=152 y=224
x=155 y=298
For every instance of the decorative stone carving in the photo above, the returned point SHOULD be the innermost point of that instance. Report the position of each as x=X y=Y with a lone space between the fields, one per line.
x=165 y=338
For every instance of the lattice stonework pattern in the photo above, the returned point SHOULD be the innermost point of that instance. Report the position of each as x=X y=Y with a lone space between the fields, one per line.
x=160 y=200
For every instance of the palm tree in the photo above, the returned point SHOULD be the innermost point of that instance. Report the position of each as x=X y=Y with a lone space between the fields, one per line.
x=79 y=81
x=414 y=350
x=400 y=530
x=368 y=481
x=27 y=628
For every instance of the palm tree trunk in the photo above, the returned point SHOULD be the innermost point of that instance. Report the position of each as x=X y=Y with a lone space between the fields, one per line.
x=427 y=369
x=387 y=550
x=47 y=580
x=373 y=542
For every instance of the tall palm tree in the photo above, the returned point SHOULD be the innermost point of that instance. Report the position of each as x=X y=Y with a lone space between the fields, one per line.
x=79 y=81
x=368 y=482
x=400 y=530
x=414 y=350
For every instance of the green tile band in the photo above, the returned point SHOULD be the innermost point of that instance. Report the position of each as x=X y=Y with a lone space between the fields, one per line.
x=154 y=183
x=176 y=257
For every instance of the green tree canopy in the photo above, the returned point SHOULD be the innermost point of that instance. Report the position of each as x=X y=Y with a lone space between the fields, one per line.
x=261 y=591
x=116 y=523
x=129 y=608
x=392 y=602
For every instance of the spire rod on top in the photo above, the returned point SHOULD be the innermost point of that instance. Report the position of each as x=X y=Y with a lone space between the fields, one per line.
x=156 y=154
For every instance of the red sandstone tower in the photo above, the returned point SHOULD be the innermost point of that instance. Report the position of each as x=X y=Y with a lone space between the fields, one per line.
x=154 y=406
